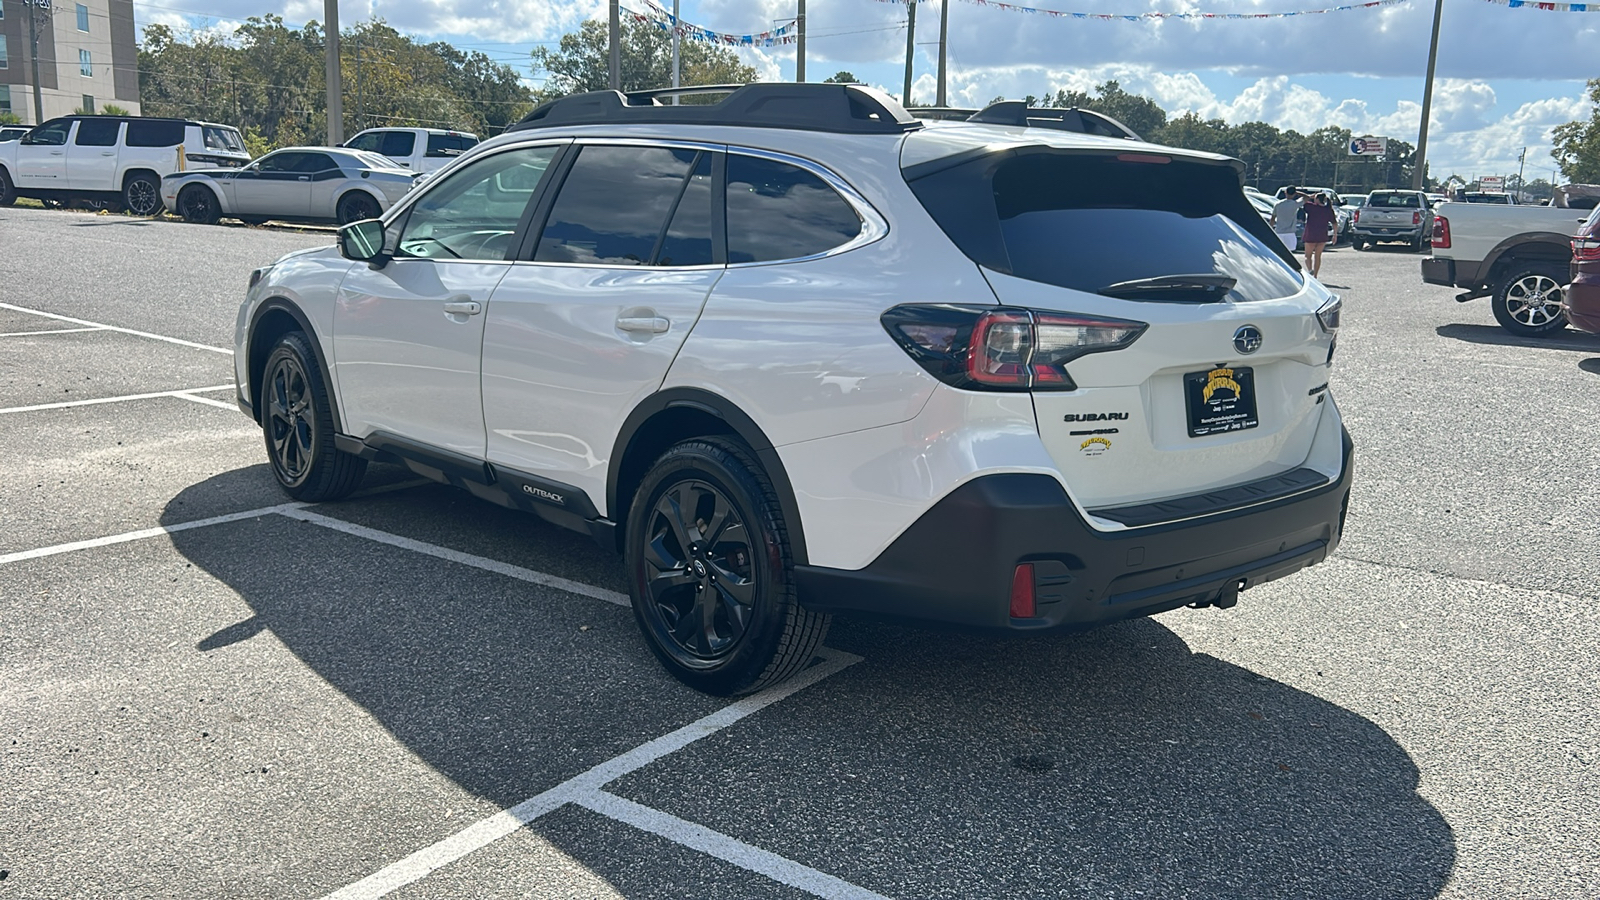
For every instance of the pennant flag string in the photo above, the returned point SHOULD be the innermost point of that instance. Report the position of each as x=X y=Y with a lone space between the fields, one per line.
x=666 y=21
x=1549 y=7
x=1136 y=17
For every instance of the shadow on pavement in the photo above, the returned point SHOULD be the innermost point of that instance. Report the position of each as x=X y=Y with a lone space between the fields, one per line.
x=1591 y=366
x=1092 y=764
x=1494 y=334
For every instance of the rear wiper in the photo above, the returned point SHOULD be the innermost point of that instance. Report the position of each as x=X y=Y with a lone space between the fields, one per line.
x=1210 y=285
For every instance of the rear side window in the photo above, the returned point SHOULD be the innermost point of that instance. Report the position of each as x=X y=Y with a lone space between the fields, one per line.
x=780 y=211
x=397 y=143
x=448 y=145
x=97 y=133
x=688 y=241
x=614 y=205
x=154 y=133
x=1096 y=223
x=368 y=142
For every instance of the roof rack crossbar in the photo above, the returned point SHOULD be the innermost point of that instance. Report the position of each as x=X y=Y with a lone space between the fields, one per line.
x=840 y=108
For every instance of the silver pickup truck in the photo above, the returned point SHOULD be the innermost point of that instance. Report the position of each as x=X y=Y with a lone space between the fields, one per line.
x=1518 y=255
x=1393 y=216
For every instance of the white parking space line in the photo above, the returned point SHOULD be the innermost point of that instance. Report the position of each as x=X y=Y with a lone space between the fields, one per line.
x=51 y=331
x=456 y=556
x=125 y=537
x=104 y=327
x=714 y=843
x=206 y=401
x=585 y=786
x=181 y=394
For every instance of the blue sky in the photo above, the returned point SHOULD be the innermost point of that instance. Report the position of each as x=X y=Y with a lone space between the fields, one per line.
x=1505 y=76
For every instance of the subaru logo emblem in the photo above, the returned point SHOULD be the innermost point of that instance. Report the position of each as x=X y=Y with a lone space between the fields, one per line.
x=1247 y=339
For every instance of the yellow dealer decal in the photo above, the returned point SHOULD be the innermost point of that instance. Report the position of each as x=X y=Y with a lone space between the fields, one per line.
x=1095 y=446
x=1217 y=379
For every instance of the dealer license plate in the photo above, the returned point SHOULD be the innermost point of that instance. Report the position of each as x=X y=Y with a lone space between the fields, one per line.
x=1221 y=400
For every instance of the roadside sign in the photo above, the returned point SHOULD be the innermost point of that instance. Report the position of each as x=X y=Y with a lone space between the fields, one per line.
x=1369 y=146
x=1491 y=183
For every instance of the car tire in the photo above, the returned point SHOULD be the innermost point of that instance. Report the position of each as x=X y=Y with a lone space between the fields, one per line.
x=297 y=423
x=253 y=220
x=141 y=195
x=718 y=609
x=198 y=205
x=1528 y=301
x=1358 y=243
x=8 y=191
x=356 y=206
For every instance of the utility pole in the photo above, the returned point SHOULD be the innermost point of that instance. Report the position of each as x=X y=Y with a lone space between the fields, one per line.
x=1522 y=160
x=33 y=42
x=800 y=43
x=944 y=47
x=911 y=47
x=616 y=46
x=675 y=79
x=1417 y=173
x=330 y=12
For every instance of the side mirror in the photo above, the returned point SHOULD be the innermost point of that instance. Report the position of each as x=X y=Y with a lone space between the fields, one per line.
x=363 y=241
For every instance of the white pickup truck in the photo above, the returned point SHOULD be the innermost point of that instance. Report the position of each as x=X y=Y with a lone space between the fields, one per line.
x=1518 y=255
x=418 y=149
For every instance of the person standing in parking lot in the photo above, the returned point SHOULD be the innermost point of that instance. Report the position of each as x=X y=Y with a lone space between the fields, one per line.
x=1322 y=226
x=1284 y=213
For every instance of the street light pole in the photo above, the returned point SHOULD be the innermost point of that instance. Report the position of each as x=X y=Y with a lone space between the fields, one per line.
x=330 y=13
x=33 y=42
x=944 y=45
x=616 y=46
x=1427 y=101
x=800 y=43
x=675 y=64
x=911 y=48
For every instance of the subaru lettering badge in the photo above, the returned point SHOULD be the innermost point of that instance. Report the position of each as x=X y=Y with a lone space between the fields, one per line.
x=1247 y=339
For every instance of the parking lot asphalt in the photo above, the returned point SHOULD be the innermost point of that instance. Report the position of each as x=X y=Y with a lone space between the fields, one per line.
x=207 y=690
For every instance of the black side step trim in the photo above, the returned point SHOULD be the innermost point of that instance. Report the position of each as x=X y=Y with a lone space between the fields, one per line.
x=1210 y=502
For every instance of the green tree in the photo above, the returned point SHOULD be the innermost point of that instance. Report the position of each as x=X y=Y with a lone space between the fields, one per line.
x=1577 y=144
x=582 y=62
x=841 y=77
x=10 y=118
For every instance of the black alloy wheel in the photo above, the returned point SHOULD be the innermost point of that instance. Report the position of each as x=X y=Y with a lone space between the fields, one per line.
x=297 y=421
x=8 y=191
x=356 y=206
x=711 y=572
x=198 y=205
x=141 y=195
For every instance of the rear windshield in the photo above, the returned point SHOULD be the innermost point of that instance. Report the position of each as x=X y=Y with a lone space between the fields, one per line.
x=450 y=145
x=1394 y=201
x=1089 y=222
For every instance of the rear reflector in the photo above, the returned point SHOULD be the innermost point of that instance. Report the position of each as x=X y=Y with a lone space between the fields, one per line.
x=1022 y=604
x=1152 y=158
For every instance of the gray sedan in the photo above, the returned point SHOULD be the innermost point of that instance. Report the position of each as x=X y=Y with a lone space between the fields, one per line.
x=296 y=184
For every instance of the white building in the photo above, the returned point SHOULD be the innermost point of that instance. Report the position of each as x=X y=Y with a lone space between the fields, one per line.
x=88 y=57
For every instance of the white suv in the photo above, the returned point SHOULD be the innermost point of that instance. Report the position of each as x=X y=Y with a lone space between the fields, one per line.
x=114 y=161
x=796 y=352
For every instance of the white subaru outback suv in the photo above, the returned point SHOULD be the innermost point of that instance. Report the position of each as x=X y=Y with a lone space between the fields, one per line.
x=796 y=352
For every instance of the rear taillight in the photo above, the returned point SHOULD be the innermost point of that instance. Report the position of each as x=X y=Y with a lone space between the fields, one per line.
x=1328 y=314
x=1355 y=216
x=1416 y=218
x=1003 y=348
x=1441 y=232
x=1585 y=248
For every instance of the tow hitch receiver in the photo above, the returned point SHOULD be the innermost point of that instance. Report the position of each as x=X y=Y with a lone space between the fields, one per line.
x=1227 y=598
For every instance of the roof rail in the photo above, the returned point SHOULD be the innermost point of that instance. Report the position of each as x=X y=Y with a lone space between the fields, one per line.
x=841 y=108
x=1083 y=121
x=942 y=113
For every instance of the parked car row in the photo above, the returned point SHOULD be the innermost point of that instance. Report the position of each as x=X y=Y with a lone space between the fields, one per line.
x=202 y=170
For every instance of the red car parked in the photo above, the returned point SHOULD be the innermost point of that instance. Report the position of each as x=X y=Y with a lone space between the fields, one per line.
x=1583 y=295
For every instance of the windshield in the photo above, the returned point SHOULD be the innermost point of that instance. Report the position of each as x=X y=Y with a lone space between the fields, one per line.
x=221 y=137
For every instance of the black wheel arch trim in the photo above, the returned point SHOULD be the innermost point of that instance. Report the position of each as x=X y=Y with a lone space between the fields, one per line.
x=254 y=372
x=738 y=422
x=1549 y=247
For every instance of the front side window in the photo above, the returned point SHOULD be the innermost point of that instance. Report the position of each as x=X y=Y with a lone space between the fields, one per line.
x=475 y=212
x=398 y=143
x=83 y=17
x=85 y=64
x=281 y=162
x=52 y=133
x=154 y=132
x=97 y=133
x=779 y=211
x=614 y=205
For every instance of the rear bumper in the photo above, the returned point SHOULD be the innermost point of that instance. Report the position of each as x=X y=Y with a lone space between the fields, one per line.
x=955 y=564
x=1439 y=271
x=1381 y=233
x=1582 y=299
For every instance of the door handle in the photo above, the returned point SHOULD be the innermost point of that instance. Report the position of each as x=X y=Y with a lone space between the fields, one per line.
x=305 y=178
x=463 y=307
x=58 y=152
x=644 y=324
x=108 y=153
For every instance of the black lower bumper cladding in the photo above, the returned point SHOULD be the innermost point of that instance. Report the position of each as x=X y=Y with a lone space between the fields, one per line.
x=955 y=564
